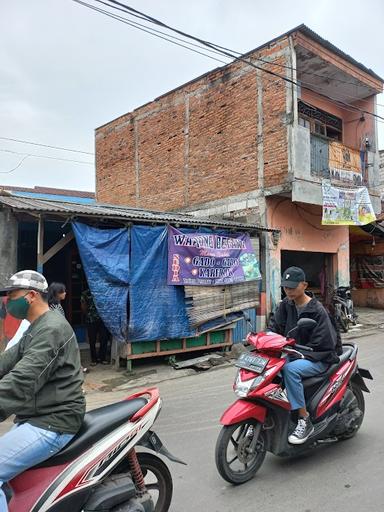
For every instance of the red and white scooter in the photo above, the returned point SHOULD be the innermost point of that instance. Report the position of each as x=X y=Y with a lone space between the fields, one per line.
x=260 y=420
x=100 y=470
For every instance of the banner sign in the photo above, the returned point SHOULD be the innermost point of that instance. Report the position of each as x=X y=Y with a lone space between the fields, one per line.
x=346 y=206
x=208 y=259
x=345 y=164
x=369 y=271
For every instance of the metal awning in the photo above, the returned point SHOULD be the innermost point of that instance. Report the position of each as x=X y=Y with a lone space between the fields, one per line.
x=120 y=214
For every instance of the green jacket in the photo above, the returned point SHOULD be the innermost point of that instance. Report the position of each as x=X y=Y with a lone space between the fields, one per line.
x=41 y=377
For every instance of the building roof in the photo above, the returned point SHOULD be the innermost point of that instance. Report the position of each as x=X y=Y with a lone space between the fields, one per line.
x=50 y=191
x=300 y=28
x=324 y=42
x=121 y=214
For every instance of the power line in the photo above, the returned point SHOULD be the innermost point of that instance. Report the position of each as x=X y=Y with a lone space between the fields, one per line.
x=123 y=7
x=46 y=156
x=17 y=166
x=46 y=145
x=223 y=51
x=151 y=31
x=136 y=24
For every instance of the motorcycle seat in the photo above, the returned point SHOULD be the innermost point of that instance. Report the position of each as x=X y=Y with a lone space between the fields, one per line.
x=321 y=377
x=96 y=425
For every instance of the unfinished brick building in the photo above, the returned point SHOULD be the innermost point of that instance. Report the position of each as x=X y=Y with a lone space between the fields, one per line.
x=240 y=143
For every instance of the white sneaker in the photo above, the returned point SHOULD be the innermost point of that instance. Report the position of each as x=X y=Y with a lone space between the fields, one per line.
x=302 y=432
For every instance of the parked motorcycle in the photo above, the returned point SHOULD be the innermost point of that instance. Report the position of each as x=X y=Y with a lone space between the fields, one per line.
x=100 y=470
x=260 y=420
x=342 y=304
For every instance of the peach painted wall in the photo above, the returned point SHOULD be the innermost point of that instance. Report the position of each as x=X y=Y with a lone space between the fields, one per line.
x=354 y=130
x=301 y=230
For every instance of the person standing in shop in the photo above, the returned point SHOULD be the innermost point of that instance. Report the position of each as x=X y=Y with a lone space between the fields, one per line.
x=95 y=328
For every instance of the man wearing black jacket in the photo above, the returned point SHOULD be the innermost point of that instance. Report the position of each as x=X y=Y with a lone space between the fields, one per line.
x=321 y=339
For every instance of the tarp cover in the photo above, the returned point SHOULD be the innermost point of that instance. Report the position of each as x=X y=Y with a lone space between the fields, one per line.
x=157 y=310
x=105 y=257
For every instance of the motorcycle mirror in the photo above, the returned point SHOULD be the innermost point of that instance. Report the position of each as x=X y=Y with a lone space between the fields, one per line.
x=302 y=323
x=248 y=320
x=306 y=323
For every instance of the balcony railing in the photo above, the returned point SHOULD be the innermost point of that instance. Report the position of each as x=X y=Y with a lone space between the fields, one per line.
x=342 y=165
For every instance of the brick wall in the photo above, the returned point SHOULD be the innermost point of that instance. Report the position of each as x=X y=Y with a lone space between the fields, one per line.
x=220 y=135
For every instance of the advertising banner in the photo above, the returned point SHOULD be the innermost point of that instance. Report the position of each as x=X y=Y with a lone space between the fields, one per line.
x=210 y=259
x=346 y=206
x=370 y=271
x=345 y=164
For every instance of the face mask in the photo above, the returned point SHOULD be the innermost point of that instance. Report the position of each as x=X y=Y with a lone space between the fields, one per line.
x=18 y=307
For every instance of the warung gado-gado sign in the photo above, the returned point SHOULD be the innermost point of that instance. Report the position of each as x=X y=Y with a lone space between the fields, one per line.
x=208 y=259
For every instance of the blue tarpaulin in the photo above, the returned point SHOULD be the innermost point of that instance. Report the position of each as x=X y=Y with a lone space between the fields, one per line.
x=157 y=310
x=122 y=263
x=105 y=257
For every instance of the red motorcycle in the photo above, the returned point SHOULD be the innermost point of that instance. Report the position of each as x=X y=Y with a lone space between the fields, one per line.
x=100 y=470
x=261 y=419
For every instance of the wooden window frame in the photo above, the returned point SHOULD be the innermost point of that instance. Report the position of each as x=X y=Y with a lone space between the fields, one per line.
x=321 y=123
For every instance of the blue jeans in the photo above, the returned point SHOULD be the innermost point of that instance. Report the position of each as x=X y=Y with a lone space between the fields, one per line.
x=25 y=446
x=293 y=372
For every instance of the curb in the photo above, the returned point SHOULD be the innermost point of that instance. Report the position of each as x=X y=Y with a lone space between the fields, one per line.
x=179 y=374
x=361 y=334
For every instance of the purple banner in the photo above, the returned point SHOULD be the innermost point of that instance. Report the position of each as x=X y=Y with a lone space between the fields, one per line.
x=208 y=259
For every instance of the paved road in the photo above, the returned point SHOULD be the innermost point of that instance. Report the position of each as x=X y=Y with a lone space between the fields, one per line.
x=344 y=476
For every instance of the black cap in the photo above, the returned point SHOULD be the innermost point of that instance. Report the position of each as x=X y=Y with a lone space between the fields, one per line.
x=292 y=277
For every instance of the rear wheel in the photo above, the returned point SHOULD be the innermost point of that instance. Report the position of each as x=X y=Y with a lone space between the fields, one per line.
x=158 y=480
x=240 y=451
x=360 y=403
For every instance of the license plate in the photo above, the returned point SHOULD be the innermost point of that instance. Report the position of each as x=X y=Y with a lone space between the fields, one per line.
x=252 y=363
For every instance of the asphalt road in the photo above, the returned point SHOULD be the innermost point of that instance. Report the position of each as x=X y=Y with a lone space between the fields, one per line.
x=343 y=476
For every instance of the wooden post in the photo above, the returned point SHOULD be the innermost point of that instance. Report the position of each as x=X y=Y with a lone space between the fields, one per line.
x=40 y=244
x=129 y=353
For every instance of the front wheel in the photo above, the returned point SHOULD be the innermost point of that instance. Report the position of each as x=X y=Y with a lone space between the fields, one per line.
x=240 y=451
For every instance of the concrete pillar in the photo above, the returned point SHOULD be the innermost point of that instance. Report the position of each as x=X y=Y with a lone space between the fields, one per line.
x=8 y=245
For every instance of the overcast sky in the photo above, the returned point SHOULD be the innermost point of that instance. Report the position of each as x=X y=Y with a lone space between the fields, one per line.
x=65 y=70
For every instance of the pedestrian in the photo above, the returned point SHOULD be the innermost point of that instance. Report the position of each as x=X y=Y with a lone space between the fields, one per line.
x=95 y=328
x=40 y=381
x=56 y=294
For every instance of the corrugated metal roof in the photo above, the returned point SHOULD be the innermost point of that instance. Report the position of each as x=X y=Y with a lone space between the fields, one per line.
x=49 y=191
x=116 y=212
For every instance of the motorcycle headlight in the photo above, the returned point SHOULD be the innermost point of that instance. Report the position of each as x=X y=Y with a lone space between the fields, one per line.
x=242 y=388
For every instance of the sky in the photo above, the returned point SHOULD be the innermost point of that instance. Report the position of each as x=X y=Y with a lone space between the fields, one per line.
x=65 y=70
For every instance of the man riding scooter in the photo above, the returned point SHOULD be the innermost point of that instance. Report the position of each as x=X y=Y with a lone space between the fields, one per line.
x=40 y=381
x=321 y=339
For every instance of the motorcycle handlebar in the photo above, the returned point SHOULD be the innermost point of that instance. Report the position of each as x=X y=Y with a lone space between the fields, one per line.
x=303 y=347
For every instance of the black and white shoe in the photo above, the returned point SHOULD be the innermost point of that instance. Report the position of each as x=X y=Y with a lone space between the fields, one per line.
x=303 y=430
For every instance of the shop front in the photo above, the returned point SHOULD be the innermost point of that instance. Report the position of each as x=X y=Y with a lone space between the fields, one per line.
x=122 y=255
x=322 y=251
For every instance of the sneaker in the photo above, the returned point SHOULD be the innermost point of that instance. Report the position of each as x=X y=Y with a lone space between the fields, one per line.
x=303 y=430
